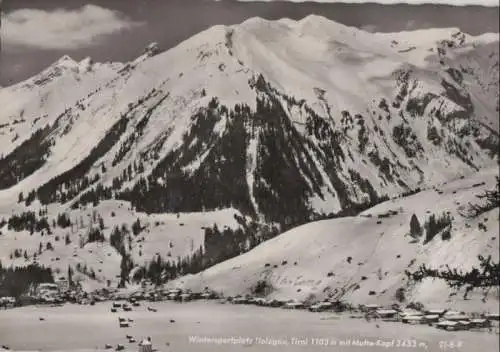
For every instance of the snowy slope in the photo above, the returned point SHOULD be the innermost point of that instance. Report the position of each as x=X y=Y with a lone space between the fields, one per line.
x=312 y=260
x=172 y=236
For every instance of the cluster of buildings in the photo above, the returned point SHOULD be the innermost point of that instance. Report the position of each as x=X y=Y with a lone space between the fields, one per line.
x=171 y=295
x=60 y=292
x=327 y=305
x=440 y=318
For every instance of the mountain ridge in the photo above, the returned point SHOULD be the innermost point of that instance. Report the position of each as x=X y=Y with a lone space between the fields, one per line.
x=255 y=24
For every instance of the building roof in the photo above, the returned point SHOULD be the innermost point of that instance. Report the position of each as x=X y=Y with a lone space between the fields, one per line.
x=478 y=321
x=431 y=316
x=447 y=323
x=436 y=311
x=413 y=317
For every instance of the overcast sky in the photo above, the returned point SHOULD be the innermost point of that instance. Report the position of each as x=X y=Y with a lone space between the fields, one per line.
x=35 y=33
x=392 y=2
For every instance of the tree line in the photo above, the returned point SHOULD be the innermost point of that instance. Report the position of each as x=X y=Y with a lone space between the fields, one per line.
x=485 y=277
x=19 y=280
x=219 y=245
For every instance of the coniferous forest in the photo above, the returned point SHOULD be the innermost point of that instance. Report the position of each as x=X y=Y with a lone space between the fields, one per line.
x=17 y=281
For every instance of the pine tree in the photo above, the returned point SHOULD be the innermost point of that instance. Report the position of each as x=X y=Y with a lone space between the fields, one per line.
x=415 y=228
x=126 y=266
x=124 y=228
x=101 y=223
x=70 y=276
x=136 y=227
x=63 y=220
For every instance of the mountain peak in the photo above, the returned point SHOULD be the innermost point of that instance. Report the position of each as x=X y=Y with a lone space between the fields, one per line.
x=149 y=51
x=314 y=18
x=86 y=64
x=152 y=49
x=65 y=61
x=257 y=20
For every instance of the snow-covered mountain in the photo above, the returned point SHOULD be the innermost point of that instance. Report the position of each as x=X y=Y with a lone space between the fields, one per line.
x=276 y=122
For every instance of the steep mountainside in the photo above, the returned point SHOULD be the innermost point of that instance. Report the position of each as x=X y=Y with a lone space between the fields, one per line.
x=277 y=122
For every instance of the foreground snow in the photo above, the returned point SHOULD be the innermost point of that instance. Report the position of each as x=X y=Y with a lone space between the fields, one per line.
x=74 y=328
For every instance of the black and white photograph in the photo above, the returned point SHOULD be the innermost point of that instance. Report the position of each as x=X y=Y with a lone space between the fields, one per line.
x=260 y=176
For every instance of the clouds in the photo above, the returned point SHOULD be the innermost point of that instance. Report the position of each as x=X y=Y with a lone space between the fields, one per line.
x=61 y=29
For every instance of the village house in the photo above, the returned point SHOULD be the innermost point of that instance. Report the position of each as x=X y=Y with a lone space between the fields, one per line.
x=7 y=302
x=185 y=297
x=455 y=316
x=492 y=316
x=294 y=305
x=63 y=285
x=413 y=319
x=387 y=314
x=408 y=312
x=47 y=291
x=240 y=300
x=369 y=308
x=453 y=325
x=436 y=311
x=320 y=307
x=431 y=318
x=146 y=345
x=480 y=323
